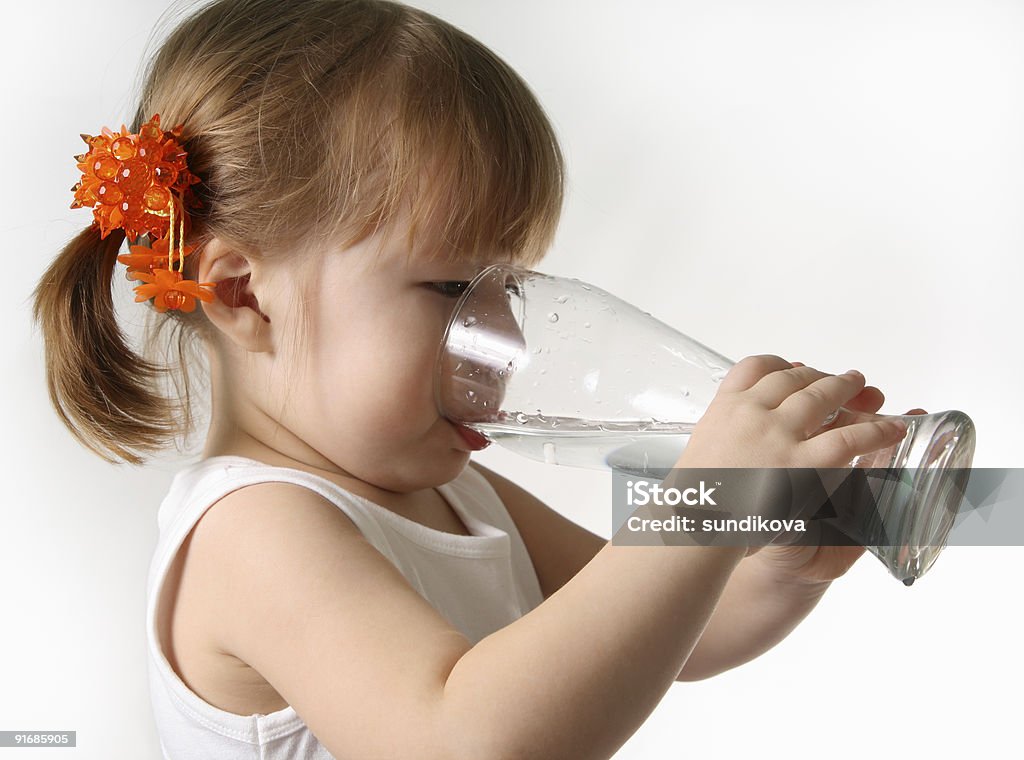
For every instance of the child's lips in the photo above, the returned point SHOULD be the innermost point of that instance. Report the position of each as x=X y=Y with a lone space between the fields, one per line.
x=473 y=439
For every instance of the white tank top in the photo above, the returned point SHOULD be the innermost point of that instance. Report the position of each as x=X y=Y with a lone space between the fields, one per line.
x=479 y=597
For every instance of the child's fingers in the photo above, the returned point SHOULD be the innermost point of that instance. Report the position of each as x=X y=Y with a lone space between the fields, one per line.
x=870 y=400
x=807 y=409
x=772 y=389
x=839 y=445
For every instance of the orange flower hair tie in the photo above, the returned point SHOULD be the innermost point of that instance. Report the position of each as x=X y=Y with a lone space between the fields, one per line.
x=141 y=183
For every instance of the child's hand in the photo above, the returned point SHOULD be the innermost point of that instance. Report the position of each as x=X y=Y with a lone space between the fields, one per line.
x=768 y=413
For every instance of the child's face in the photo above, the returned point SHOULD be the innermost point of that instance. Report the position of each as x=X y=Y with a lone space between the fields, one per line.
x=366 y=402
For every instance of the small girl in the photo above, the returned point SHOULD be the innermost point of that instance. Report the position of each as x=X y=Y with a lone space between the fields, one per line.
x=306 y=188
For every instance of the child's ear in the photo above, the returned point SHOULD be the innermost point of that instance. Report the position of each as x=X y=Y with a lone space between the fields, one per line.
x=236 y=309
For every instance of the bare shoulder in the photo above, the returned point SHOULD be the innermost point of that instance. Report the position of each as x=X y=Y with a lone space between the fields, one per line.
x=327 y=620
x=558 y=547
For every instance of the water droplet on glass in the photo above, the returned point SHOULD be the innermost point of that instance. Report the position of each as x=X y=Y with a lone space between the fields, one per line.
x=486 y=404
x=471 y=395
x=585 y=287
x=469 y=321
x=521 y=418
x=686 y=392
x=553 y=317
x=543 y=371
x=561 y=298
x=586 y=324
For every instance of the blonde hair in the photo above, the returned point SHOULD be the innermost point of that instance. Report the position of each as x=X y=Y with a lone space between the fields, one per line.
x=310 y=122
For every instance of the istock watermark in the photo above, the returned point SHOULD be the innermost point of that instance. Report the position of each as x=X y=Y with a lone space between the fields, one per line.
x=642 y=492
x=847 y=506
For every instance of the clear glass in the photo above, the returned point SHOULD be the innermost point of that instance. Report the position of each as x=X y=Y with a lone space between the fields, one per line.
x=564 y=372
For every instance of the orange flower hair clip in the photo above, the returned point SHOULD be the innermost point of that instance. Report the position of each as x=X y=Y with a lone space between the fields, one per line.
x=141 y=183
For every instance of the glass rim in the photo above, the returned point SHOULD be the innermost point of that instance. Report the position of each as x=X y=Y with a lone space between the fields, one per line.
x=459 y=304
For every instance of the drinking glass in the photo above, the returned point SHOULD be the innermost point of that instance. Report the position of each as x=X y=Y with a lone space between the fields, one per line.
x=564 y=372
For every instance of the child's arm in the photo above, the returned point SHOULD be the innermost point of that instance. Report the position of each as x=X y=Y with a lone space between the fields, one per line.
x=300 y=595
x=771 y=592
x=759 y=608
x=765 y=598
x=761 y=604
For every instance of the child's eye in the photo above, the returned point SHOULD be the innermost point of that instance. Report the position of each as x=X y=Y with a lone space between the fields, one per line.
x=449 y=288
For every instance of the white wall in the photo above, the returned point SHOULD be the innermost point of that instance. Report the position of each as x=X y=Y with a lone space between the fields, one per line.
x=839 y=183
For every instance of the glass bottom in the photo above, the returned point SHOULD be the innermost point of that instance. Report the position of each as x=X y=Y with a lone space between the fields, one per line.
x=927 y=474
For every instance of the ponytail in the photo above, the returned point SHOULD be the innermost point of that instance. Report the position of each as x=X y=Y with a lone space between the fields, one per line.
x=106 y=395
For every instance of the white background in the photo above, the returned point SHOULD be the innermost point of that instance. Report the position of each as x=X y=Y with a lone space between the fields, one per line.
x=838 y=183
